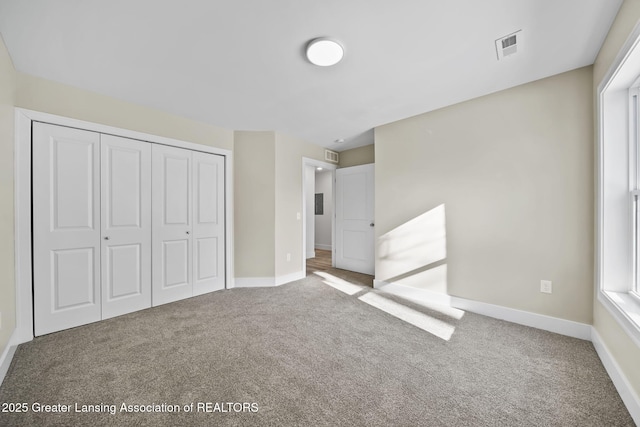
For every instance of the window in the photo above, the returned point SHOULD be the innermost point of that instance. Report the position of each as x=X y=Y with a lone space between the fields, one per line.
x=634 y=180
x=618 y=201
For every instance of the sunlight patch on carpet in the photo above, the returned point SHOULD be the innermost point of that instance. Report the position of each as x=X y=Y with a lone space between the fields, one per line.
x=447 y=310
x=339 y=284
x=420 y=320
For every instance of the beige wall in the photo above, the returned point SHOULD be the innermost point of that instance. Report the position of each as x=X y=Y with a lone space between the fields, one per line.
x=7 y=264
x=46 y=96
x=514 y=172
x=268 y=198
x=254 y=203
x=289 y=154
x=357 y=156
x=623 y=349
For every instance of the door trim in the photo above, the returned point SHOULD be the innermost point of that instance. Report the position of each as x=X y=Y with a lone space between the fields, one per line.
x=22 y=199
x=331 y=167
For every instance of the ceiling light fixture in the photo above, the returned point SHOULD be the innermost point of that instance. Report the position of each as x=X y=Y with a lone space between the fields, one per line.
x=324 y=52
x=339 y=141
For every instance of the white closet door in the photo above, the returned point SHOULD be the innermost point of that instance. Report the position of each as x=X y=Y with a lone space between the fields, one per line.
x=208 y=223
x=172 y=224
x=126 y=225
x=66 y=227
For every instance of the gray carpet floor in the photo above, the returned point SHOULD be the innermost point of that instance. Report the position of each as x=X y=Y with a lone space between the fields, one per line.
x=306 y=354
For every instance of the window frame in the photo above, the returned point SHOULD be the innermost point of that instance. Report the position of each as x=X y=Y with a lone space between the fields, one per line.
x=618 y=188
x=634 y=181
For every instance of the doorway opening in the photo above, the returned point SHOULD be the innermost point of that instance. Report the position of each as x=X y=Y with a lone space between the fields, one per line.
x=318 y=215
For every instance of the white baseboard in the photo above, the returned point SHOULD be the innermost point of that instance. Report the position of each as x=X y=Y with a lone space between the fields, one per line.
x=539 y=321
x=626 y=392
x=290 y=277
x=324 y=247
x=266 y=282
x=254 y=282
x=7 y=356
x=412 y=293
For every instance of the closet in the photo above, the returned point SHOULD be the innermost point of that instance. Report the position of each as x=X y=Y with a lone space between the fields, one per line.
x=120 y=225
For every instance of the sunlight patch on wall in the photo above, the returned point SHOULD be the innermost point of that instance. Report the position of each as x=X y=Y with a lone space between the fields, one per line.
x=420 y=320
x=413 y=248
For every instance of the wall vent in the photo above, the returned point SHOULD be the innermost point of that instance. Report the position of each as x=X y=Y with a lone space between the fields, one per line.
x=509 y=44
x=331 y=156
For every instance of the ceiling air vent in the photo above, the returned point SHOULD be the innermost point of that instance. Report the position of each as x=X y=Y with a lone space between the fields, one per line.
x=331 y=156
x=509 y=44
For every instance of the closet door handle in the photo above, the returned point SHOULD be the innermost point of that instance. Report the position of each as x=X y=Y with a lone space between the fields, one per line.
x=188 y=232
x=106 y=237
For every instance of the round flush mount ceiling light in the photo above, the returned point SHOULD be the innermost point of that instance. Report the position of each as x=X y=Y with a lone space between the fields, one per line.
x=324 y=52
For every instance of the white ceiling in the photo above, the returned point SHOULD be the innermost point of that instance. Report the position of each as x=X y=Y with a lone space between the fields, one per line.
x=240 y=64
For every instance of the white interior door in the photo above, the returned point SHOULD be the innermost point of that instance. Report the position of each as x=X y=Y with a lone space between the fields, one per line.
x=126 y=225
x=208 y=223
x=66 y=227
x=172 y=224
x=354 y=218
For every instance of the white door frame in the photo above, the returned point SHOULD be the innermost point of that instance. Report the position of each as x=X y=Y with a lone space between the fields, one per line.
x=22 y=197
x=330 y=167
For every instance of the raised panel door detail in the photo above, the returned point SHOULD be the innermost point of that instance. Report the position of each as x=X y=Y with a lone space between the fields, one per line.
x=172 y=240
x=207 y=258
x=66 y=227
x=123 y=271
x=207 y=198
x=176 y=191
x=126 y=225
x=124 y=187
x=355 y=245
x=175 y=259
x=354 y=196
x=208 y=223
x=73 y=178
x=73 y=278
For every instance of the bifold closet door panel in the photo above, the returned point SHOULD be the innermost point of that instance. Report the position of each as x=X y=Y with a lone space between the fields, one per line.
x=126 y=225
x=172 y=254
x=66 y=227
x=208 y=223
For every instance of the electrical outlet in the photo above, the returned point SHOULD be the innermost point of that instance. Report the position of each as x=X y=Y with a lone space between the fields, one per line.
x=298 y=216
x=288 y=257
x=545 y=286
